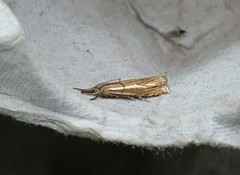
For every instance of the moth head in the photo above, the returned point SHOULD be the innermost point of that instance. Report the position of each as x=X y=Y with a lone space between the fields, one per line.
x=165 y=90
x=164 y=79
x=97 y=90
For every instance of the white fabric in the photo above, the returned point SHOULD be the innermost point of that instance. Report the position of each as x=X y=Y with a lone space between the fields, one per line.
x=82 y=43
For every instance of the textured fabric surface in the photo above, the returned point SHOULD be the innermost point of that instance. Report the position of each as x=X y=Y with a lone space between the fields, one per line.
x=82 y=43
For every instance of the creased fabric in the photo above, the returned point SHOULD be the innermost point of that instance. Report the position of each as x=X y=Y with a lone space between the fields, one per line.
x=58 y=45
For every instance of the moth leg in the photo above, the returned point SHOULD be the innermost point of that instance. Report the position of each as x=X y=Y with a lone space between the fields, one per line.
x=94 y=98
x=130 y=98
x=98 y=95
x=142 y=99
x=111 y=95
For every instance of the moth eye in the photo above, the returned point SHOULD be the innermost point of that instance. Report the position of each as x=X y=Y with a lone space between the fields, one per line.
x=96 y=90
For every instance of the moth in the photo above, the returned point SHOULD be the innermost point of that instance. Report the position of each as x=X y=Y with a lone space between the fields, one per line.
x=130 y=89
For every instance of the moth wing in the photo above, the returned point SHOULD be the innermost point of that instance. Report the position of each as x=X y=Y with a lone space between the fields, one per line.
x=151 y=81
x=134 y=87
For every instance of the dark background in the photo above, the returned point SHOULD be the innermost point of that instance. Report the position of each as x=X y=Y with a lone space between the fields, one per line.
x=26 y=149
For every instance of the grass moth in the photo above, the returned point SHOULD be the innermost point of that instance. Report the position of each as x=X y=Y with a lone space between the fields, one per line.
x=130 y=89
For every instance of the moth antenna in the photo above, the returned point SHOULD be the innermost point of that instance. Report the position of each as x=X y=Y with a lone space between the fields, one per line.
x=106 y=82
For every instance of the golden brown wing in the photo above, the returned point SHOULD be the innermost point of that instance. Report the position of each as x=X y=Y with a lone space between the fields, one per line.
x=145 y=87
